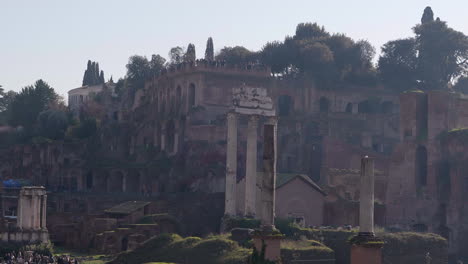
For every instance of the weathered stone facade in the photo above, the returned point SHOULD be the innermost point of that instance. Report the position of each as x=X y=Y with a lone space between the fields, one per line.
x=167 y=142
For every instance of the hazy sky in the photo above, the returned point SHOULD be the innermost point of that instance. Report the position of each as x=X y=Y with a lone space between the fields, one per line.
x=53 y=39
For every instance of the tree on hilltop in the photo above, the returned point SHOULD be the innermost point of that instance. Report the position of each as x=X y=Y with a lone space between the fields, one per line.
x=428 y=15
x=433 y=59
x=92 y=74
x=209 y=52
x=190 y=55
x=176 y=55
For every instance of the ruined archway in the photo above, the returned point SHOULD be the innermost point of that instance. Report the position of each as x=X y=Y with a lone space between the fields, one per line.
x=324 y=105
x=421 y=166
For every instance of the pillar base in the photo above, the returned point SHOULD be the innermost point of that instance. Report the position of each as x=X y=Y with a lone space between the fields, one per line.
x=366 y=248
x=270 y=242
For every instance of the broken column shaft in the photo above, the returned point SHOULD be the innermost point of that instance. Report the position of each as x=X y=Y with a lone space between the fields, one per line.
x=268 y=181
x=251 y=166
x=231 y=165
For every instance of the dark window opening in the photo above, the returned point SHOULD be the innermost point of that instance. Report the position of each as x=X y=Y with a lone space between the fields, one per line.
x=191 y=95
x=324 y=105
x=285 y=105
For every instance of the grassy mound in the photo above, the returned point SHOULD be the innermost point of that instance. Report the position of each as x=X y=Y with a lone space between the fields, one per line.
x=304 y=250
x=172 y=248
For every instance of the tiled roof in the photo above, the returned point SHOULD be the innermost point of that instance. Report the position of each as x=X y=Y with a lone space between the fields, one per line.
x=283 y=178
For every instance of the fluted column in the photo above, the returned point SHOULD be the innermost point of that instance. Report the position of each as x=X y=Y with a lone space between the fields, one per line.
x=251 y=166
x=366 y=205
x=269 y=178
x=231 y=165
x=44 y=212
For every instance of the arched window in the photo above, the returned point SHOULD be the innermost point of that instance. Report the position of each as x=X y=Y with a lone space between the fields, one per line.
x=324 y=105
x=285 y=105
x=191 y=95
x=421 y=166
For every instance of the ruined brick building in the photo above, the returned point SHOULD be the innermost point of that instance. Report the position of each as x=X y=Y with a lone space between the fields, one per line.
x=166 y=143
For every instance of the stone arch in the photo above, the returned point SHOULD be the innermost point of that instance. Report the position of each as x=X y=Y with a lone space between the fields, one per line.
x=324 y=105
x=191 y=95
x=170 y=132
x=421 y=166
x=387 y=107
x=349 y=108
x=285 y=105
x=116 y=182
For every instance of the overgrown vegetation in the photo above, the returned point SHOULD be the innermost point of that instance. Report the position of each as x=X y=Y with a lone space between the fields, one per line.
x=173 y=248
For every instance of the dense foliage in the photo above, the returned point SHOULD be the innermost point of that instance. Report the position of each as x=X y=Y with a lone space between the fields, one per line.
x=433 y=59
x=92 y=75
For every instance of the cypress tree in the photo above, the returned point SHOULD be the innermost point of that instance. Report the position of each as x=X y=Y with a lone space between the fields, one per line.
x=209 y=52
x=190 y=55
x=101 y=77
x=428 y=15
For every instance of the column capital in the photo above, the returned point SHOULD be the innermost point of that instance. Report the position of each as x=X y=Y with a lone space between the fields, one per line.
x=232 y=115
x=253 y=118
x=272 y=120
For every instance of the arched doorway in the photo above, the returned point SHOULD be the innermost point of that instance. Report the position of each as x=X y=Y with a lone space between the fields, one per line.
x=133 y=182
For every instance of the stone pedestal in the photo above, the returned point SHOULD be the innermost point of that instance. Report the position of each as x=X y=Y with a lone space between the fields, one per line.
x=271 y=244
x=362 y=254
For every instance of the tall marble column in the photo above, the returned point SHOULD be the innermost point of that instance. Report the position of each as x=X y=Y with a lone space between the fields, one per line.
x=366 y=201
x=44 y=212
x=269 y=178
x=231 y=165
x=251 y=166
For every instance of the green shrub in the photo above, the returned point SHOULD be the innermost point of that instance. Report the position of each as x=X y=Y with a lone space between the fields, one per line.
x=190 y=250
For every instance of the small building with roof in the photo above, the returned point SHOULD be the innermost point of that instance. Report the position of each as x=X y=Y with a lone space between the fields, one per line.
x=300 y=198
